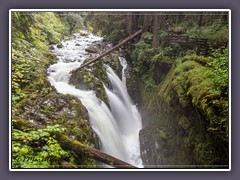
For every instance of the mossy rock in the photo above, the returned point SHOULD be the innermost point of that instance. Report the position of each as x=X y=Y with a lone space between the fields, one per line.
x=162 y=134
x=87 y=80
x=113 y=61
x=51 y=57
x=60 y=45
x=185 y=123
x=199 y=59
x=91 y=50
x=83 y=34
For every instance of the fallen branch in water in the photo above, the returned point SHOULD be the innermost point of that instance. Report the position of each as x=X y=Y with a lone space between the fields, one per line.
x=108 y=51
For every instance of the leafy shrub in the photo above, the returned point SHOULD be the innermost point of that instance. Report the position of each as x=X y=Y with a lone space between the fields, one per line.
x=37 y=148
x=217 y=31
x=162 y=35
x=219 y=63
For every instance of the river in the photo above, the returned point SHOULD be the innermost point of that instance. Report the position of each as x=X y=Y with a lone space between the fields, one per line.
x=117 y=126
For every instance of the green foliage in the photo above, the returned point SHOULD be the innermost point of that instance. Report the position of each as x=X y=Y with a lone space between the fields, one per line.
x=111 y=25
x=74 y=21
x=27 y=63
x=217 y=31
x=37 y=148
x=219 y=65
x=149 y=83
x=206 y=154
x=114 y=35
x=30 y=34
x=172 y=51
x=21 y=23
x=147 y=37
x=47 y=28
x=162 y=36
x=141 y=54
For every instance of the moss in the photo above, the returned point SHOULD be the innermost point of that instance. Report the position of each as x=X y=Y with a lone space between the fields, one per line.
x=85 y=79
x=83 y=159
x=199 y=59
x=93 y=77
x=189 y=111
x=205 y=154
x=113 y=61
x=162 y=134
x=185 y=123
x=41 y=105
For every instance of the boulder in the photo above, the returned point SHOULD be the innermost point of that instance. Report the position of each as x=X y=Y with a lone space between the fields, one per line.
x=91 y=50
x=59 y=46
x=83 y=34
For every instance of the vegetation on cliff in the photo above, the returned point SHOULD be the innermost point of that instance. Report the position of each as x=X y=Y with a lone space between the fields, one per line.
x=36 y=102
x=183 y=94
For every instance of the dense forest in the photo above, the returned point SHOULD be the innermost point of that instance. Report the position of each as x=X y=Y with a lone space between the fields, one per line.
x=177 y=76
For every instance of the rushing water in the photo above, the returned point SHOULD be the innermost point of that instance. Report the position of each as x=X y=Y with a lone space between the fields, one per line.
x=117 y=127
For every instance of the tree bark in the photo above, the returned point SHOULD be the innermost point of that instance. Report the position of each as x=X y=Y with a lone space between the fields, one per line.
x=155 y=30
x=129 y=23
x=146 y=22
x=108 y=51
x=200 y=19
x=135 y=21
x=80 y=149
x=162 y=21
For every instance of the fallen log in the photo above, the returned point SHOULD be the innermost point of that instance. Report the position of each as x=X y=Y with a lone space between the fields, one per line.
x=108 y=51
x=77 y=147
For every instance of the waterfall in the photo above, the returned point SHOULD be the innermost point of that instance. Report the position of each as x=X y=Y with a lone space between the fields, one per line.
x=117 y=127
x=125 y=114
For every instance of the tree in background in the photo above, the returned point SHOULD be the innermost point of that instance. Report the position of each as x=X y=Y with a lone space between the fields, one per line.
x=155 y=30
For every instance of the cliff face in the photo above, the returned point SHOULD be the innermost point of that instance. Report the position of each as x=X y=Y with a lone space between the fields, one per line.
x=168 y=129
x=176 y=118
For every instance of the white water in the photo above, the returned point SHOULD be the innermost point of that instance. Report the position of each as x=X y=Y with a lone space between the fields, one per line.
x=117 y=127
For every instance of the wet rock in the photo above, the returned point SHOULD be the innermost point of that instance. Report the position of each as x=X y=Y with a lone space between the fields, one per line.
x=89 y=79
x=52 y=43
x=77 y=44
x=91 y=50
x=59 y=46
x=84 y=34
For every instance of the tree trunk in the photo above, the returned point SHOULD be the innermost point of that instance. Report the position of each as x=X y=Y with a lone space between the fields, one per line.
x=200 y=19
x=108 y=51
x=80 y=149
x=129 y=23
x=177 y=19
x=162 y=21
x=155 y=30
x=146 y=22
x=135 y=21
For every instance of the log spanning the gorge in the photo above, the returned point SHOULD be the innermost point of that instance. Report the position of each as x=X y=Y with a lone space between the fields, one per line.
x=108 y=51
x=77 y=147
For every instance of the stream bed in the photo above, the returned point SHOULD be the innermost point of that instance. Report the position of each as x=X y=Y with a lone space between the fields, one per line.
x=116 y=125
